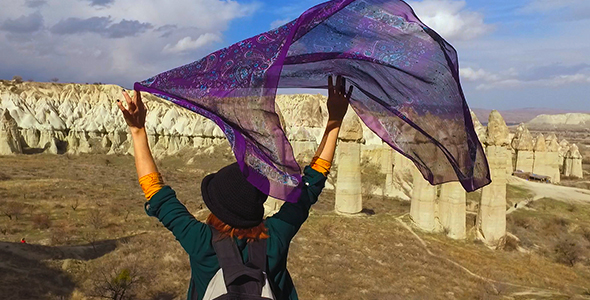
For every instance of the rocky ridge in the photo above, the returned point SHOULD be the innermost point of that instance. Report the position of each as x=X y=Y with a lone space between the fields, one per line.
x=81 y=118
x=569 y=121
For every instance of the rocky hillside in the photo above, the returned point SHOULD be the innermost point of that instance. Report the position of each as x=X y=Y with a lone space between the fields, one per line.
x=517 y=116
x=562 y=121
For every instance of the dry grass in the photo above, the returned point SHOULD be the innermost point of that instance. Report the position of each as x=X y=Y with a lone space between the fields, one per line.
x=98 y=230
x=557 y=230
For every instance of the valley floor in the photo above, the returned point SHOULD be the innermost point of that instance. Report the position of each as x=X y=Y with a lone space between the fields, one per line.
x=83 y=219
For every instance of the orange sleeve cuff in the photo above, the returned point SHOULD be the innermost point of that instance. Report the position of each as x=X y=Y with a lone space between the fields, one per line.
x=321 y=165
x=151 y=184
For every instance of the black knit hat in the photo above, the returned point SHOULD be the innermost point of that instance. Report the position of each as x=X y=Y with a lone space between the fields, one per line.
x=232 y=199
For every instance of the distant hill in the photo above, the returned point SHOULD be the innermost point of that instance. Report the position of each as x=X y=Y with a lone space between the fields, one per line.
x=522 y=115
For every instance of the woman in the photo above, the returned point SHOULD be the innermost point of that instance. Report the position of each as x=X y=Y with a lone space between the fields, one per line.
x=236 y=206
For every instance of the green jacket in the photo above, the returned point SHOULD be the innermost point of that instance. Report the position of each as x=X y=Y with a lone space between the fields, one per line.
x=195 y=236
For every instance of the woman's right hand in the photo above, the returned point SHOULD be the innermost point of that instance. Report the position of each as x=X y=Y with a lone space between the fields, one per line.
x=338 y=98
x=135 y=112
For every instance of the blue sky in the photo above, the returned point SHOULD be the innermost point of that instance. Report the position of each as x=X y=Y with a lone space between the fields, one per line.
x=513 y=53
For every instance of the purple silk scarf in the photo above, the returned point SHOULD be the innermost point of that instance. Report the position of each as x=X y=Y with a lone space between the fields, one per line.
x=406 y=80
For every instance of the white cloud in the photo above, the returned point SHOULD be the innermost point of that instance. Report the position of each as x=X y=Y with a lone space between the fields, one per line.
x=188 y=44
x=511 y=79
x=470 y=74
x=451 y=19
x=82 y=55
x=276 y=23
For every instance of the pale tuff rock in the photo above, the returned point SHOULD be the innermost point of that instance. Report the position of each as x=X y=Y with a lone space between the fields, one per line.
x=351 y=129
x=516 y=136
x=73 y=142
x=348 y=181
x=573 y=162
x=452 y=210
x=562 y=119
x=480 y=130
x=491 y=218
x=541 y=162
x=552 y=144
x=497 y=132
x=397 y=169
x=10 y=139
x=272 y=206
x=525 y=160
x=525 y=141
x=30 y=137
x=302 y=110
x=105 y=143
x=88 y=114
x=553 y=160
x=369 y=137
x=304 y=144
x=524 y=144
x=49 y=141
x=546 y=162
x=422 y=209
x=78 y=142
x=564 y=147
x=540 y=144
x=119 y=142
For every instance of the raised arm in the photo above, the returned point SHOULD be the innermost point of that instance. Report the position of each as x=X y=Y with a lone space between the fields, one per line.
x=162 y=202
x=135 y=114
x=284 y=225
x=338 y=99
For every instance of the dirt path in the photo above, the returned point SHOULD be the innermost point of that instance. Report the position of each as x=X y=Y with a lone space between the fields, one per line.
x=557 y=192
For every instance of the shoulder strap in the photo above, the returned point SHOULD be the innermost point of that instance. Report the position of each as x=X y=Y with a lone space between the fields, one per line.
x=230 y=260
x=257 y=254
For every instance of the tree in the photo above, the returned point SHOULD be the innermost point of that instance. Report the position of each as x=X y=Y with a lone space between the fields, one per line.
x=54 y=79
x=17 y=79
x=116 y=284
x=12 y=209
x=118 y=280
x=96 y=219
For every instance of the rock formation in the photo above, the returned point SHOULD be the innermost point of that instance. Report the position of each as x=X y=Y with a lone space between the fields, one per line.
x=498 y=134
x=272 y=206
x=480 y=130
x=398 y=174
x=573 y=163
x=491 y=217
x=77 y=118
x=562 y=120
x=524 y=146
x=423 y=206
x=452 y=210
x=10 y=139
x=348 y=181
x=553 y=158
x=540 y=159
x=564 y=147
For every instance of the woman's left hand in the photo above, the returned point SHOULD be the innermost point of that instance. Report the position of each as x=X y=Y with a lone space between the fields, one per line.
x=135 y=112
